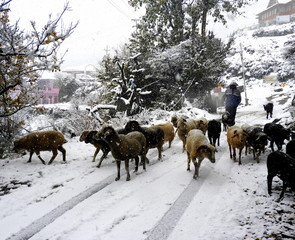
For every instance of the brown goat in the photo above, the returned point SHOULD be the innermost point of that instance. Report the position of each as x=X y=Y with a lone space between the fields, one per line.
x=124 y=147
x=236 y=138
x=42 y=141
x=88 y=137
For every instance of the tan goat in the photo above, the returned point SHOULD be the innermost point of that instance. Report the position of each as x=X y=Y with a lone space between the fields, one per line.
x=183 y=127
x=168 y=132
x=202 y=124
x=198 y=147
x=236 y=138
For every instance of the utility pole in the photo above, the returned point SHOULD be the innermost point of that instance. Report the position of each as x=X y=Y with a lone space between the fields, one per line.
x=243 y=70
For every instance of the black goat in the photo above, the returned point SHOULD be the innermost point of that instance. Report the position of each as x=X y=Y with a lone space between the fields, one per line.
x=269 y=109
x=225 y=118
x=290 y=148
x=154 y=135
x=99 y=144
x=214 y=130
x=282 y=165
x=257 y=139
x=276 y=134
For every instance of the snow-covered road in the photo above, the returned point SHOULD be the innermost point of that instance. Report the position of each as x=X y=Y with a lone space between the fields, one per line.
x=162 y=203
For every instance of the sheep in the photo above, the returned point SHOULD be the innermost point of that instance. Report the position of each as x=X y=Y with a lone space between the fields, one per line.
x=198 y=147
x=183 y=128
x=269 y=109
x=224 y=118
x=89 y=137
x=256 y=139
x=124 y=147
x=154 y=136
x=214 y=130
x=202 y=124
x=290 y=148
x=282 y=165
x=236 y=138
x=168 y=132
x=276 y=134
x=42 y=141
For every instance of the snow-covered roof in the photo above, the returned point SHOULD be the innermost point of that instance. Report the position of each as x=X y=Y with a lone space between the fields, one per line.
x=48 y=75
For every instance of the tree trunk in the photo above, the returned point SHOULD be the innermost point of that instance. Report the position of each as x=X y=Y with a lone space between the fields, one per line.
x=204 y=21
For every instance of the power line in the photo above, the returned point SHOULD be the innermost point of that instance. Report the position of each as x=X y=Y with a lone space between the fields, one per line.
x=119 y=10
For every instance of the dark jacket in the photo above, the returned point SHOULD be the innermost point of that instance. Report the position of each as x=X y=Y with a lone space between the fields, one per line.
x=232 y=97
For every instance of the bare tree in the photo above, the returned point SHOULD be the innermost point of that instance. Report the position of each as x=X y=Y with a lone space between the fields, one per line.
x=23 y=55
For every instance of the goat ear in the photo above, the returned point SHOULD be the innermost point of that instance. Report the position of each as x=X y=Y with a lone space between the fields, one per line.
x=235 y=134
x=202 y=147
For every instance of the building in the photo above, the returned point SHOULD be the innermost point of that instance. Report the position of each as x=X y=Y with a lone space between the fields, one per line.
x=277 y=12
x=48 y=92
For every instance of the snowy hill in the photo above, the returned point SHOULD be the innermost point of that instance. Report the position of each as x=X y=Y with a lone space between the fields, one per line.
x=265 y=52
x=76 y=200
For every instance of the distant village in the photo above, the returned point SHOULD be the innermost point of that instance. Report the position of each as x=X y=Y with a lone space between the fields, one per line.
x=276 y=12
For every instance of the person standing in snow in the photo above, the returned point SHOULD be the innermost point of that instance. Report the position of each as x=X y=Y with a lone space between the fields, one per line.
x=232 y=100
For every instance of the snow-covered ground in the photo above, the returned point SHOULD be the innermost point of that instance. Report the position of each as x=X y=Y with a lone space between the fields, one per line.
x=76 y=200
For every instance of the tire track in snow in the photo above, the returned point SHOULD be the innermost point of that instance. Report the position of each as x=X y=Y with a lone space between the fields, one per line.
x=42 y=222
x=50 y=217
x=167 y=223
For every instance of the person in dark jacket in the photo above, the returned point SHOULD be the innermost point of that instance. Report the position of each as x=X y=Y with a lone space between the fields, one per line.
x=232 y=100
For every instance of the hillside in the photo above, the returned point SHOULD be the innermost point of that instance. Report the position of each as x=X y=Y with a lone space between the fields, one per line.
x=266 y=51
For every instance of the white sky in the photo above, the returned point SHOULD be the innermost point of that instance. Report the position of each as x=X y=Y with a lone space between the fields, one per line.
x=103 y=24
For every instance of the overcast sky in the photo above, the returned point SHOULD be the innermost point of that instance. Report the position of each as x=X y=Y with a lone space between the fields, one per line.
x=104 y=24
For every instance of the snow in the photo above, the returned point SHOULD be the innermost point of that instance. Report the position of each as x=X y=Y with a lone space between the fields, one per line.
x=76 y=200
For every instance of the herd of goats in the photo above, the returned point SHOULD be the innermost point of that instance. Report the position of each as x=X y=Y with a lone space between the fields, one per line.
x=134 y=141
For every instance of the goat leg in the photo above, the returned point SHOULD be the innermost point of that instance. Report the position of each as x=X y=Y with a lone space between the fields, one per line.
x=230 y=152
x=63 y=151
x=143 y=160
x=136 y=164
x=269 y=183
x=188 y=162
x=240 y=156
x=54 y=154
x=160 y=152
x=118 y=163
x=30 y=158
x=283 y=191
x=127 y=169
x=38 y=154
x=234 y=154
x=197 y=166
x=105 y=153
x=95 y=154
